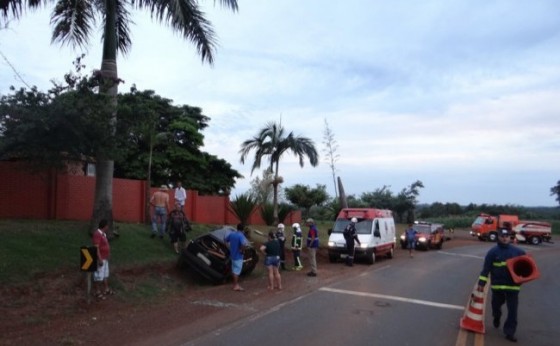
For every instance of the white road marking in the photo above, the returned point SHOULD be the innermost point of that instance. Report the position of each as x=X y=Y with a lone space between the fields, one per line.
x=459 y=254
x=400 y=299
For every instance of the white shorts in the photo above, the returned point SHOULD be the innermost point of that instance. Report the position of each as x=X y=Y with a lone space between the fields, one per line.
x=102 y=272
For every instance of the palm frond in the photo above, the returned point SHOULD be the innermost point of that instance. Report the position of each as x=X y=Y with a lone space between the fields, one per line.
x=123 y=27
x=12 y=9
x=72 y=21
x=242 y=206
x=232 y=4
x=185 y=17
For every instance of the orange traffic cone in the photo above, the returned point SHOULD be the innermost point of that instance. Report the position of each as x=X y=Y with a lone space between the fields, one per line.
x=473 y=319
x=523 y=269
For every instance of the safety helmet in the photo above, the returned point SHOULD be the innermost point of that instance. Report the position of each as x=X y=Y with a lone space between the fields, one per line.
x=354 y=220
x=295 y=226
x=280 y=225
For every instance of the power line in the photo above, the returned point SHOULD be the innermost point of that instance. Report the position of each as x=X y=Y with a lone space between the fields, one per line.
x=18 y=76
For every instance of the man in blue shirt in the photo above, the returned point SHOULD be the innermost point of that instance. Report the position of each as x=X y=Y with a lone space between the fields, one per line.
x=237 y=244
x=312 y=245
x=410 y=235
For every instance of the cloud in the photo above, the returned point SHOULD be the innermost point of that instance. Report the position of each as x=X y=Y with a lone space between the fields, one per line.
x=460 y=95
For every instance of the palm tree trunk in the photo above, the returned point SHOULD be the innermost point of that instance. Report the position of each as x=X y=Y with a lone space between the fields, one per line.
x=103 y=199
x=275 y=195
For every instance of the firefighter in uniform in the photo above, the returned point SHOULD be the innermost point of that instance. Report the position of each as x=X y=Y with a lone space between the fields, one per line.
x=504 y=289
x=297 y=239
x=351 y=237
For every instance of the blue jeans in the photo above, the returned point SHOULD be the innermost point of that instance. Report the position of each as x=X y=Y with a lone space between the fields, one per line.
x=161 y=214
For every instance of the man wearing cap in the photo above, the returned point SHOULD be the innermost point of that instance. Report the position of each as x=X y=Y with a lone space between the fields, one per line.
x=160 y=202
x=504 y=289
x=312 y=245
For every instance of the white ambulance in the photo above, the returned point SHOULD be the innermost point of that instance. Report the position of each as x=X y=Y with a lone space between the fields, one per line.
x=375 y=229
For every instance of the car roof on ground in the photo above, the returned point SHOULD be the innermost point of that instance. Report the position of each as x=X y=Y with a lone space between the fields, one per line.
x=221 y=233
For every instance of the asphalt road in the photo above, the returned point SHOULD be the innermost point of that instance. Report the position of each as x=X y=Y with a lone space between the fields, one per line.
x=404 y=301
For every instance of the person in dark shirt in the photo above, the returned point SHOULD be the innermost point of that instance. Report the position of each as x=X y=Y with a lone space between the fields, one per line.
x=504 y=289
x=351 y=238
x=271 y=249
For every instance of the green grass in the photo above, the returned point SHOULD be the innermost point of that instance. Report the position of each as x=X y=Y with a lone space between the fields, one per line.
x=34 y=247
x=31 y=247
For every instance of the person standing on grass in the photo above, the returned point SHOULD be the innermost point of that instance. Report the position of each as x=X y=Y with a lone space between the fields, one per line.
x=237 y=244
x=177 y=226
x=312 y=245
x=101 y=276
x=271 y=249
x=180 y=195
x=160 y=202
x=410 y=235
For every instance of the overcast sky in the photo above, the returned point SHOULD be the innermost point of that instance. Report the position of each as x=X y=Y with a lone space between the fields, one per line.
x=462 y=95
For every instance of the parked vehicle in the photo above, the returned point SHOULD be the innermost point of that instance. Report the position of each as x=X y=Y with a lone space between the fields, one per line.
x=429 y=236
x=486 y=227
x=375 y=229
x=533 y=232
x=208 y=255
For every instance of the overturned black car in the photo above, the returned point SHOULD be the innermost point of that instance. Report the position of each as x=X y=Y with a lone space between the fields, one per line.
x=208 y=255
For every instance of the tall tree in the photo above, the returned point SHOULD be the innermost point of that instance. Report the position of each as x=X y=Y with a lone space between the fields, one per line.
x=161 y=142
x=306 y=197
x=74 y=23
x=273 y=142
x=261 y=188
x=555 y=190
x=331 y=155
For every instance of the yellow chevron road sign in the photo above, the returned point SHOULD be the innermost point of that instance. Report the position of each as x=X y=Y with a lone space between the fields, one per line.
x=88 y=258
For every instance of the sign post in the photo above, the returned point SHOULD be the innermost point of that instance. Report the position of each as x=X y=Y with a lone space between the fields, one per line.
x=88 y=264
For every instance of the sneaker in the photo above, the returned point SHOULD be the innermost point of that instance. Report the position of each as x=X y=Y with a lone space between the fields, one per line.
x=153 y=236
x=298 y=268
x=511 y=338
x=160 y=237
x=312 y=274
x=496 y=322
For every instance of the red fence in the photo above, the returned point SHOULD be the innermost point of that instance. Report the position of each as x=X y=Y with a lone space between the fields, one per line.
x=70 y=197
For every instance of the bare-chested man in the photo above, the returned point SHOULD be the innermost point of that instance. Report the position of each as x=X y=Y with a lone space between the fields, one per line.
x=160 y=201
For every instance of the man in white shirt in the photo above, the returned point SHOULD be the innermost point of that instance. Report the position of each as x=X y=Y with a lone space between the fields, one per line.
x=180 y=195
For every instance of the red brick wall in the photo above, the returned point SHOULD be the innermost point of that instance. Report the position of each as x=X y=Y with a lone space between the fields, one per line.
x=70 y=197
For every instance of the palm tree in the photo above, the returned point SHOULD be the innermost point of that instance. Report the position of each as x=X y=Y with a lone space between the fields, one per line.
x=272 y=141
x=74 y=22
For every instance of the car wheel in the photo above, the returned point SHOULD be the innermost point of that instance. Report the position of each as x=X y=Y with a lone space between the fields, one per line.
x=333 y=258
x=535 y=240
x=391 y=253
x=493 y=236
x=371 y=258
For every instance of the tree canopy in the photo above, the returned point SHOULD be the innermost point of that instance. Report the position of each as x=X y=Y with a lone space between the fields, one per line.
x=272 y=142
x=176 y=135
x=66 y=123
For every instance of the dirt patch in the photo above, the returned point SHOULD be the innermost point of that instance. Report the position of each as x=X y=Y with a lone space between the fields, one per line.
x=53 y=309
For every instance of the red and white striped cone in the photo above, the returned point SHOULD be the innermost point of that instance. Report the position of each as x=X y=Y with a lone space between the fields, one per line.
x=473 y=319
